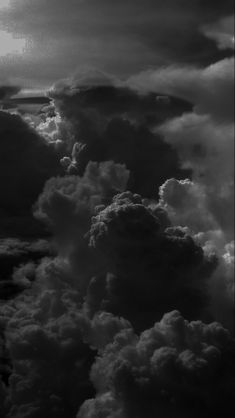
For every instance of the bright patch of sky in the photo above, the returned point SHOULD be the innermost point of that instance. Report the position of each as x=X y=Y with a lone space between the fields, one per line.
x=11 y=44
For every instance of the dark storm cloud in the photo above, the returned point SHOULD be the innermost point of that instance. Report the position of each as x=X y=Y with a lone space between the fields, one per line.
x=120 y=37
x=26 y=161
x=51 y=344
x=154 y=258
x=67 y=205
x=14 y=253
x=111 y=122
x=150 y=268
x=65 y=349
x=135 y=265
x=51 y=336
x=175 y=369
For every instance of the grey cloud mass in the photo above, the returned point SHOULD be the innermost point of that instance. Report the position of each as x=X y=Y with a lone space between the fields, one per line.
x=117 y=209
x=120 y=37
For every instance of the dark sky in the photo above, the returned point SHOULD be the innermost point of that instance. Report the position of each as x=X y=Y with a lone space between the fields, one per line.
x=47 y=40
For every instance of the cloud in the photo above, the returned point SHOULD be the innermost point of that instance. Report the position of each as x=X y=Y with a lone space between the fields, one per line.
x=187 y=204
x=80 y=336
x=111 y=122
x=142 y=35
x=136 y=266
x=13 y=247
x=67 y=205
x=15 y=274
x=26 y=161
x=80 y=195
x=176 y=368
x=222 y=32
x=204 y=141
x=222 y=284
x=207 y=148
x=51 y=344
x=71 y=306
x=149 y=269
x=49 y=127
x=210 y=89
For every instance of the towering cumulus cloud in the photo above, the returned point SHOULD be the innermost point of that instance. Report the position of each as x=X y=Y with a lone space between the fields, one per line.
x=111 y=122
x=127 y=311
x=150 y=268
x=204 y=140
x=175 y=369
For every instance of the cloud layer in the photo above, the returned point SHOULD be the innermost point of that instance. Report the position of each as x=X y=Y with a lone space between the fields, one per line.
x=121 y=37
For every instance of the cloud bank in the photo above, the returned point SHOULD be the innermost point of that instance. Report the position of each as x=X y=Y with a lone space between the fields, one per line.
x=116 y=317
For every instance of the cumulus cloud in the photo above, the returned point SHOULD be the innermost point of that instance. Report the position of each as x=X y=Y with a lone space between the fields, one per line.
x=14 y=253
x=176 y=368
x=67 y=204
x=111 y=122
x=49 y=127
x=136 y=266
x=80 y=194
x=187 y=204
x=207 y=148
x=51 y=344
x=80 y=336
x=204 y=140
x=149 y=269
